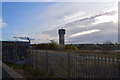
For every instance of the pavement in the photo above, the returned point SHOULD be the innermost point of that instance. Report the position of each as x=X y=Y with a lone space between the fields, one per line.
x=6 y=76
x=8 y=73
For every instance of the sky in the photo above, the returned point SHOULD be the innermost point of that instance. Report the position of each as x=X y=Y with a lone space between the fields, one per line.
x=84 y=22
x=59 y=0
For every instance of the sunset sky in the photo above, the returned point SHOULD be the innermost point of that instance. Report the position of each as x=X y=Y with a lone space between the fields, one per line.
x=85 y=22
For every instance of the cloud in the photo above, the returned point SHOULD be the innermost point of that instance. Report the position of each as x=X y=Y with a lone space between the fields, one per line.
x=108 y=31
x=74 y=16
x=2 y=24
x=43 y=38
x=84 y=33
x=90 y=34
x=108 y=18
x=59 y=14
x=89 y=18
x=77 y=18
x=77 y=24
x=102 y=19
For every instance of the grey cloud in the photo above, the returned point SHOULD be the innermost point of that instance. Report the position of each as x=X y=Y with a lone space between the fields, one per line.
x=81 y=22
x=89 y=18
x=85 y=21
x=74 y=27
x=109 y=31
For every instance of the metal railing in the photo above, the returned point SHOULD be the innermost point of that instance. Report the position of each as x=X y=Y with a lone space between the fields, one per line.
x=77 y=64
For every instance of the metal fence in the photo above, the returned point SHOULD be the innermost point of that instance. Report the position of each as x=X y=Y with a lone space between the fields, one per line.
x=15 y=51
x=77 y=64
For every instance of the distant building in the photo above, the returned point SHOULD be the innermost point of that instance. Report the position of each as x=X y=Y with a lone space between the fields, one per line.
x=14 y=51
x=61 y=33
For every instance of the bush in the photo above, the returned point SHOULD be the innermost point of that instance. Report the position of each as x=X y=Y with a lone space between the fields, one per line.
x=46 y=46
x=54 y=46
x=69 y=47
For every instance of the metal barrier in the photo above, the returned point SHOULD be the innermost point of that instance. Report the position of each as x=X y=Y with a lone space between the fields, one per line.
x=77 y=64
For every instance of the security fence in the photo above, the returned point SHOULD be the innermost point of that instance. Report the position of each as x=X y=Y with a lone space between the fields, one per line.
x=15 y=51
x=77 y=64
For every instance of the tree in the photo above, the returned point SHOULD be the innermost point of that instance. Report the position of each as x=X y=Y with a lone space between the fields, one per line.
x=52 y=41
x=107 y=42
x=108 y=45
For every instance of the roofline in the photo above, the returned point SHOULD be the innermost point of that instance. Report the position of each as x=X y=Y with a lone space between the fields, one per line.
x=15 y=41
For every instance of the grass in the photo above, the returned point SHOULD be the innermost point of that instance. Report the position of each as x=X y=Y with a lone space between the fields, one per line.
x=28 y=71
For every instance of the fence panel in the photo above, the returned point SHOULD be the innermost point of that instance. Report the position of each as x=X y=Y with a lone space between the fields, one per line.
x=58 y=63
x=77 y=65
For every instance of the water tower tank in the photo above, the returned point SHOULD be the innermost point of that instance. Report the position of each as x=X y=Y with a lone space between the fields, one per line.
x=61 y=33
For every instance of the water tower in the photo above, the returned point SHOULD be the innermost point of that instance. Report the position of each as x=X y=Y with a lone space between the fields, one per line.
x=61 y=33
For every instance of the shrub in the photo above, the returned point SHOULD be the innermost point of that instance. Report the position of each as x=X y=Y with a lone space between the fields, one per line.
x=69 y=47
x=54 y=46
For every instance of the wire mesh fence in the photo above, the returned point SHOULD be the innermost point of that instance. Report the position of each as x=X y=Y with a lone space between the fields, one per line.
x=77 y=64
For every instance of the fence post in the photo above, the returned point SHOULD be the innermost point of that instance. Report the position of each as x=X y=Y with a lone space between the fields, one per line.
x=46 y=63
x=31 y=56
x=34 y=53
x=68 y=65
x=118 y=61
